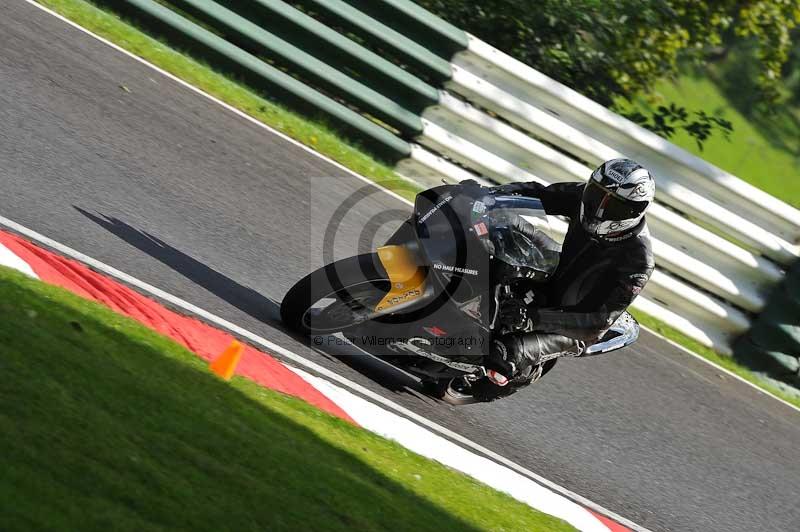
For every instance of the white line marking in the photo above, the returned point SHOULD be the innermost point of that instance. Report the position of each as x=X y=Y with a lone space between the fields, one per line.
x=10 y=259
x=424 y=442
x=277 y=349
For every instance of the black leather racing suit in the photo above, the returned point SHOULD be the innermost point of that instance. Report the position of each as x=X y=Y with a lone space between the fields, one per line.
x=594 y=283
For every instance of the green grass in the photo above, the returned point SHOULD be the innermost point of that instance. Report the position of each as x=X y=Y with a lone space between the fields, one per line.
x=106 y=425
x=764 y=151
x=765 y=166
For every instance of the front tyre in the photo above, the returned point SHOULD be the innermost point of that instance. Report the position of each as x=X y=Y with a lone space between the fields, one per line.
x=458 y=391
x=336 y=297
x=453 y=391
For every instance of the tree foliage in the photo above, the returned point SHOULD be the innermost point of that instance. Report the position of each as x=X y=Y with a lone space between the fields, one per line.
x=791 y=70
x=666 y=120
x=770 y=23
x=611 y=50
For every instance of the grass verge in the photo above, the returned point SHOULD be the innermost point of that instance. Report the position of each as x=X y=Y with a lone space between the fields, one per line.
x=108 y=425
x=313 y=134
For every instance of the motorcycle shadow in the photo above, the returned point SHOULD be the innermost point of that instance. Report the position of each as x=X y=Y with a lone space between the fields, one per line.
x=242 y=297
x=258 y=306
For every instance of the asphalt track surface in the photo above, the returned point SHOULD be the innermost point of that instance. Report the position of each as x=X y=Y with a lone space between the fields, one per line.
x=164 y=185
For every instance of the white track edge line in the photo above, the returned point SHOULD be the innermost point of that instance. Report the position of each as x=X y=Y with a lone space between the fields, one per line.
x=426 y=443
x=349 y=171
x=277 y=349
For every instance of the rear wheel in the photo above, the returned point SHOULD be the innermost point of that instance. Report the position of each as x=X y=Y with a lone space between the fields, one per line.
x=336 y=297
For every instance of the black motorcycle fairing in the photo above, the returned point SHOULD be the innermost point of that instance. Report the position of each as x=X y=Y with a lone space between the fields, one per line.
x=443 y=227
x=459 y=265
x=405 y=235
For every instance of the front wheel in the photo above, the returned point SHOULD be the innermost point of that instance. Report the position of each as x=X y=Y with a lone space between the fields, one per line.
x=454 y=391
x=336 y=297
x=458 y=391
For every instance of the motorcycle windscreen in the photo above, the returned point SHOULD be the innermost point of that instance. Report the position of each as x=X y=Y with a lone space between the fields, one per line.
x=519 y=235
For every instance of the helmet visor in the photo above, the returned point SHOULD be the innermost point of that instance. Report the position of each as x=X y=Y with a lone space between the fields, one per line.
x=601 y=204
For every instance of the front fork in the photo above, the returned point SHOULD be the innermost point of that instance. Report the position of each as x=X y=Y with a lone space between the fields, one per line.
x=407 y=278
x=409 y=286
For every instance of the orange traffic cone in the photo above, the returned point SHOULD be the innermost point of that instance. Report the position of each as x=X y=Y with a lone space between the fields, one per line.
x=225 y=364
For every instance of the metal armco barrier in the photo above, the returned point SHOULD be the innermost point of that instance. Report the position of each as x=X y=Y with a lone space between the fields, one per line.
x=416 y=55
x=439 y=103
x=262 y=43
x=594 y=134
x=280 y=85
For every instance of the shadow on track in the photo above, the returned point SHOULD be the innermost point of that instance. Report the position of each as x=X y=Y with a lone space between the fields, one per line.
x=254 y=304
x=242 y=297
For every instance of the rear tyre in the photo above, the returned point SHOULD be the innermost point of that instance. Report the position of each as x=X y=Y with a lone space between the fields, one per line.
x=336 y=297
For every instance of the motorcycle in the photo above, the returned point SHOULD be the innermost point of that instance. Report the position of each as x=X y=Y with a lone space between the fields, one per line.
x=431 y=295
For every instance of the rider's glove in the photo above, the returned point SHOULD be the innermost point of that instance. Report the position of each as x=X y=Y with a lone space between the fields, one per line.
x=509 y=188
x=531 y=188
x=514 y=314
x=500 y=364
x=506 y=359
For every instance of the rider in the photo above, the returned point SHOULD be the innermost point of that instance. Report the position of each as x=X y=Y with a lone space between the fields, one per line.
x=606 y=260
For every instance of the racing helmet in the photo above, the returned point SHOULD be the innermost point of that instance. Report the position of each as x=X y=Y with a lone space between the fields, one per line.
x=615 y=198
